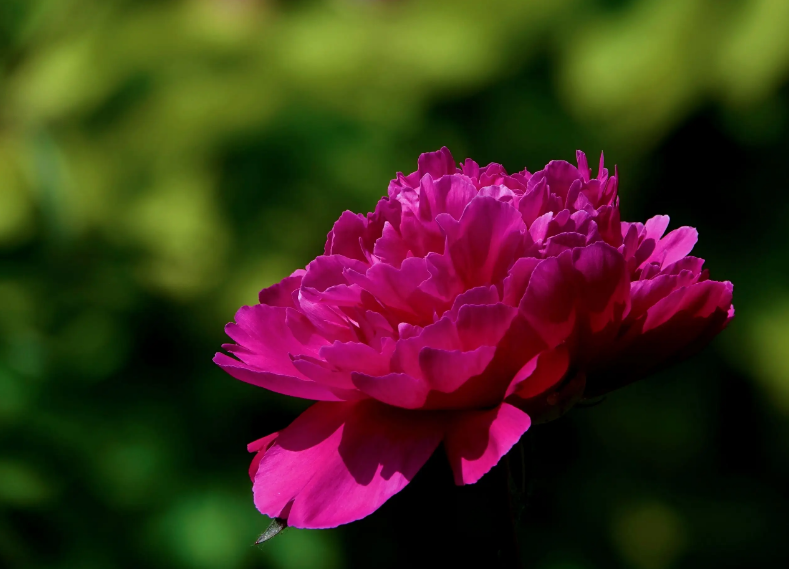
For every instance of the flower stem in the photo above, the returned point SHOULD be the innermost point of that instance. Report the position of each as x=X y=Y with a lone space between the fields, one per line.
x=509 y=554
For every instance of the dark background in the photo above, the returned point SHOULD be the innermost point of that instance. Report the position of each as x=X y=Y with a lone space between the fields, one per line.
x=161 y=161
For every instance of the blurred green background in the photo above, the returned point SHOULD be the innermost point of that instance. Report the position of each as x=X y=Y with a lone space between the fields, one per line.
x=161 y=161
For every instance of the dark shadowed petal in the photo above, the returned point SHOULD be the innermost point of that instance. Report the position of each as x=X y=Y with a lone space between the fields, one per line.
x=542 y=372
x=477 y=440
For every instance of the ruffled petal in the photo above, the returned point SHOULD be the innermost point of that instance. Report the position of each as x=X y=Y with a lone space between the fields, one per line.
x=264 y=339
x=284 y=384
x=396 y=389
x=484 y=242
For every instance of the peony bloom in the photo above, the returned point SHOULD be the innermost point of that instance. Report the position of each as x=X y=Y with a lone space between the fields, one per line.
x=468 y=305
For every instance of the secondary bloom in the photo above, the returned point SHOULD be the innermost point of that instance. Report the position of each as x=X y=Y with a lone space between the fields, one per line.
x=468 y=305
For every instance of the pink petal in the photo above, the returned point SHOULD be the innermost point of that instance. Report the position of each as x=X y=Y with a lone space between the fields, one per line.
x=549 y=302
x=476 y=295
x=396 y=389
x=485 y=240
x=324 y=373
x=355 y=356
x=437 y=164
x=284 y=384
x=696 y=301
x=344 y=237
x=398 y=289
x=518 y=279
x=441 y=335
x=583 y=165
x=604 y=285
x=562 y=242
x=264 y=339
x=559 y=175
x=446 y=371
x=391 y=248
x=448 y=194
x=534 y=202
x=338 y=463
x=542 y=372
x=483 y=325
x=281 y=294
x=259 y=447
x=675 y=246
x=655 y=227
x=477 y=440
x=327 y=272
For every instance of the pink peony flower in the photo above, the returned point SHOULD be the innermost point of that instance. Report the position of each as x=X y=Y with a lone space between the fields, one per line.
x=468 y=305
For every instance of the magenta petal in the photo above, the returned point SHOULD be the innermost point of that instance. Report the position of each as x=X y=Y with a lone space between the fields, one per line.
x=355 y=356
x=518 y=279
x=559 y=174
x=448 y=194
x=398 y=288
x=675 y=246
x=397 y=389
x=437 y=164
x=338 y=463
x=286 y=385
x=697 y=301
x=478 y=439
x=391 y=248
x=549 y=302
x=345 y=236
x=483 y=325
x=485 y=240
x=326 y=272
x=265 y=340
x=322 y=372
x=281 y=294
x=540 y=373
x=604 y=286
x=446 y=371
x=259 y=447
x=655 y=227
x=477 y=295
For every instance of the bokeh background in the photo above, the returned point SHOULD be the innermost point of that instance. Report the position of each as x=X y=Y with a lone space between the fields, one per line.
x=161 y=161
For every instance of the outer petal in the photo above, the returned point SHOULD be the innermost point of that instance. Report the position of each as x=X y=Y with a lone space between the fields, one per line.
x=672 y=329
x=286 y=385
x=478 y=439
x=674 y=246
x=338 y=463
x=281 y=294
x=259 y=447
